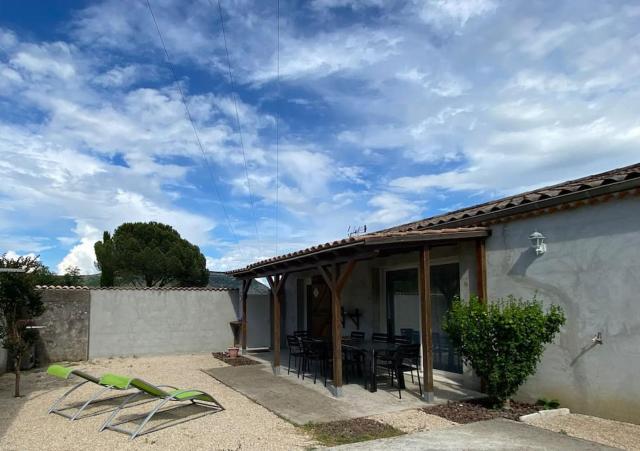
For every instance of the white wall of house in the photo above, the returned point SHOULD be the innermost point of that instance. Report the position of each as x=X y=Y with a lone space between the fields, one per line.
x=591 y=269
x=258 y=321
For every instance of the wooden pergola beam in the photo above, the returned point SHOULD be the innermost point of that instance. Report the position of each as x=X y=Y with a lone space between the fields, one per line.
x=424 y=279
x=336 y=283
x=481 y=270
x=481 y=284
x=244 y=291
x=276 y=283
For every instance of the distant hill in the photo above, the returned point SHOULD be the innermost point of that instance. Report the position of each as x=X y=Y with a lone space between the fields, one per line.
x=221 y=280
x=90 y=280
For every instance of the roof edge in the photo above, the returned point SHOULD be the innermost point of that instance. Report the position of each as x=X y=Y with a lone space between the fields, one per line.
x=631 y=180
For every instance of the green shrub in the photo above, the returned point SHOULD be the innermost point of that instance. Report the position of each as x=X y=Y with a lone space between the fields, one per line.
x=548 y=404
x=502 y=340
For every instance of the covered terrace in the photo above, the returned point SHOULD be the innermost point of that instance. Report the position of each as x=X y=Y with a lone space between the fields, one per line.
x=333 y=264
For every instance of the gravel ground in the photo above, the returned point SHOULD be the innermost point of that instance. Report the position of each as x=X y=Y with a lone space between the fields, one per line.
x=413 y=420
x=25 y=424
x=607 y=432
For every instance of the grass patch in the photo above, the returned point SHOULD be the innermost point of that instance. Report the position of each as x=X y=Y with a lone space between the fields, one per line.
x=350 y=431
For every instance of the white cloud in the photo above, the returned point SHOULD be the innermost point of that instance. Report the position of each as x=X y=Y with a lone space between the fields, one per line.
x=50 y=59
x=459 y=11
x=8 y=39
x=463 y=98
x=329 y=53
x=390 y=209
x=81 y=256
x=121 y=76
x=12 y=255
x=543 y=42
x=353 y=4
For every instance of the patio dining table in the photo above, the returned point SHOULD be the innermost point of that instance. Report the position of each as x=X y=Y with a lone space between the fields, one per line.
x=372 y=349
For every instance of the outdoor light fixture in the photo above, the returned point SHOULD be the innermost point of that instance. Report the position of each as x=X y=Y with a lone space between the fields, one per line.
x=537 y=242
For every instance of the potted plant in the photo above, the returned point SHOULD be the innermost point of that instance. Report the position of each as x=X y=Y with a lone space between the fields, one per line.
x=233 y=351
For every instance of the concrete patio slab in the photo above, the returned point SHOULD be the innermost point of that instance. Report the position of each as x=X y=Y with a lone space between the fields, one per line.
x=296 y=403
x=499 y=434
x=301 y=401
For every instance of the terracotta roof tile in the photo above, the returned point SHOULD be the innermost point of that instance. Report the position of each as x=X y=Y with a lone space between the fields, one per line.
x=571 y=186
x=417 y=234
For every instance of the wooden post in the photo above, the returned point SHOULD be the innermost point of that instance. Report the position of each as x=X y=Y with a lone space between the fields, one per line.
x=481 y=285
x=246 y=283
x=336 y=283
x=276 y=283
x=425 y=322
x=481 y=270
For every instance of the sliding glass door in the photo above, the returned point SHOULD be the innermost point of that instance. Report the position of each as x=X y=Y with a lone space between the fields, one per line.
x=445 y=286
x=403 y=309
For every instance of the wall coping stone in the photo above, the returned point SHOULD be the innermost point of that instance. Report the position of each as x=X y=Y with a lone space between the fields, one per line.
x=69 y=288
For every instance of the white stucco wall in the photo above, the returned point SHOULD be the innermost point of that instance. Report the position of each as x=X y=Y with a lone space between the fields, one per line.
x=258 y=321
x=591 y=269
x=147 y=322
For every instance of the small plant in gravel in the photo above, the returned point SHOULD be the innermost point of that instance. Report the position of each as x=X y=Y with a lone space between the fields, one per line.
x=547 y=404
x=502 y=340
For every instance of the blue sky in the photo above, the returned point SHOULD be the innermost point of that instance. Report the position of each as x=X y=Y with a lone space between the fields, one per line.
x=388 y=112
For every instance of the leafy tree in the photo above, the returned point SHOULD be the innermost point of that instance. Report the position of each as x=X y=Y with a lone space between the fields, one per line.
x=503 y=341
x=19 y=304
x=106 y=262
x=153 y=254
x=71 y=277
x=43 y=276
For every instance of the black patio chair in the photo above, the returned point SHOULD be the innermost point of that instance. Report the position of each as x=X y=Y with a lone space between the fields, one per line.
x=402 y=340
x=353 y=359
x=302 y=333
x=405 y=358
x=380 y=337
x=315 y=354
x=295 y=351
x=409 y=334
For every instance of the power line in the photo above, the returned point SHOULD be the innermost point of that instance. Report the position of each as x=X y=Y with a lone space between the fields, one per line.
x=235 y=106
x=193 y=125
x=277 y=116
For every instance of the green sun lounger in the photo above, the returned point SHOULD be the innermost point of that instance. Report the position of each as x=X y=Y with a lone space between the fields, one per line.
x=194 y=396
x=63 y=372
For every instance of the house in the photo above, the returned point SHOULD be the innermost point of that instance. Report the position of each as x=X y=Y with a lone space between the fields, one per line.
x=405 y=277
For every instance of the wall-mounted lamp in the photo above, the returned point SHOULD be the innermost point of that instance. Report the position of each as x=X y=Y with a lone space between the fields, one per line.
x=537 y=242
x=597 y=338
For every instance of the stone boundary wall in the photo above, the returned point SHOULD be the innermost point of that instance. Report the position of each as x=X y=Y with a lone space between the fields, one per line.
x=82 y=323
x=147 y=322
x=65 y=335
